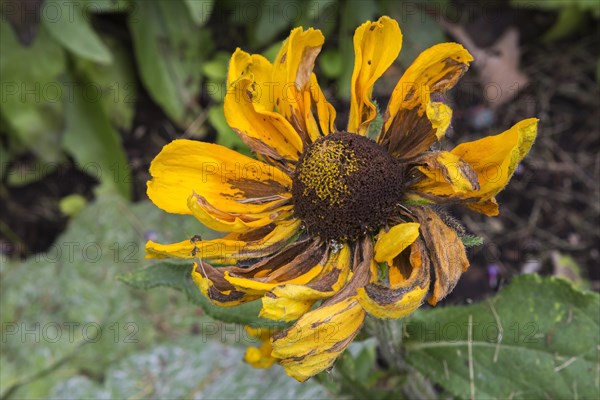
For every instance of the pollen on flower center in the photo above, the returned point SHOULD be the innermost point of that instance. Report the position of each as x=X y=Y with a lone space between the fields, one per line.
x=345 y=186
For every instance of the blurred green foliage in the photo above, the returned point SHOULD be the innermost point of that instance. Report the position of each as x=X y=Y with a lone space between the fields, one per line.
x=72 y=91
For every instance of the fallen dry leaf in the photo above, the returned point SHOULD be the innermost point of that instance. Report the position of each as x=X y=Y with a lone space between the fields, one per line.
x=498 y=65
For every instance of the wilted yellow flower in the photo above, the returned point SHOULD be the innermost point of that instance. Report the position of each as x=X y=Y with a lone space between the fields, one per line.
x=325 y=225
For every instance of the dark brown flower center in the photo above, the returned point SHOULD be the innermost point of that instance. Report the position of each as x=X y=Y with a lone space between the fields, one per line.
x=346 y=185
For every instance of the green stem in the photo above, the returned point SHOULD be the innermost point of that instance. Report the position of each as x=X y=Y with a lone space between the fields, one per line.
x=389 y=335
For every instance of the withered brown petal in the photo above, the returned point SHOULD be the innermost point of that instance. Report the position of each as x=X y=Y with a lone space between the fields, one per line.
x=446 y=251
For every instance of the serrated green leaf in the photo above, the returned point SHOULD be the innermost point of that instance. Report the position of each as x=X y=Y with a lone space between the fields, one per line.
x=69 y=25
x=538 y=338
x=178 y=276
x=169 y=49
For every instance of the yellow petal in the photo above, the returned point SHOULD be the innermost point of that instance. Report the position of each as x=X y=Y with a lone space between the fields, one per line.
x=258 y=286
x=224 y=177
x=495 y=158
x=435 y=70
x=229 y=249
x=313 y=343
x=376 y=46
x=292 y=80
x=290 y=301
x=448 y=169
x=391 y=304
x=260 y=357
x=402 y=294
x=219 y=296
x=440 y=116
x=492 y=159
x=325 y=111
x=249 y=106
x=222 y=221
x=393 y=242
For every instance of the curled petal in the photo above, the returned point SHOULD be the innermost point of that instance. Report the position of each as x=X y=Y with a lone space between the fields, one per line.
x=413 y=121
x=287 y=267
x=376 y=46
x=212 y=284
x=492 y=160
x=446 y=250
x=407 y=286
x=290 y=301
x=296 y=87
x=313 y=343
x=495 y=158
x=325 y=111
x=250 y=108
x=447 y=167
x=232 y=248
x=435 y=70
x=222 y=176
x=393 y=242
x=222 y=221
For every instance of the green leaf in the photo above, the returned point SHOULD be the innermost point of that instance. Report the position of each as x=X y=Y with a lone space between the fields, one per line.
x=24 y=174
x=178 y=276
x=107 y=6
x=169 y=50
x=216 y=69
x=195 y=369
x=320 y=14
x=273 y=18
x=419 y=30
x=331 y=63
x=471 y=240
x=73 y=286
x=94 y=143
x=114 y=85
x=570 y=20
x=68 y=23
x=588 y=5
x=200 y=10
x=32 y=94
x=538 y=338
